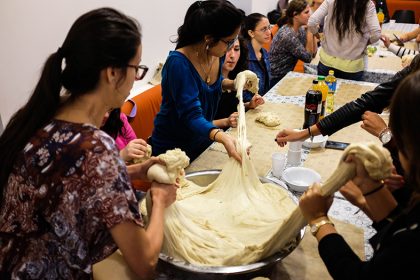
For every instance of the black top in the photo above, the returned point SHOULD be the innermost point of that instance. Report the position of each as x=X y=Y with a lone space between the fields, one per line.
x=396 y=251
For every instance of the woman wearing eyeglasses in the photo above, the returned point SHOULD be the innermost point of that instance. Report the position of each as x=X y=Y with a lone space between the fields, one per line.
x=256 y=31
x=65 y=194
x=292 y=42
x=192 y=81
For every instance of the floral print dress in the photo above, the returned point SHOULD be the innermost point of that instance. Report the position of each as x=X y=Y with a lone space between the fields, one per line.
x=68 y=187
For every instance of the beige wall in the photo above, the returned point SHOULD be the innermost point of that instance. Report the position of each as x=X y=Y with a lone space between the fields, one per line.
x=31 y=30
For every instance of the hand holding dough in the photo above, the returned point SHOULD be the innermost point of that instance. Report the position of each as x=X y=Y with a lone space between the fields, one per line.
x=175 y=160
x=145 y=157
x=247 y=78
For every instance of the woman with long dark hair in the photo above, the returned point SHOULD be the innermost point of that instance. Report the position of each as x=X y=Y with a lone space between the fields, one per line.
x=66 y=197
x=192 y=81
x=349 y=26
x=397 y=241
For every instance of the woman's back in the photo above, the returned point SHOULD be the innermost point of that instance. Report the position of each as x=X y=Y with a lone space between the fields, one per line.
x=67 y=188
x=353 y=44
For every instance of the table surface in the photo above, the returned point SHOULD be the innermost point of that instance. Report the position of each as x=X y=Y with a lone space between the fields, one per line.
x=383 y=64
x=288 y=95
x=290 y=91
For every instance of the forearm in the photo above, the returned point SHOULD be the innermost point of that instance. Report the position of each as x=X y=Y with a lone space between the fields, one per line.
x=228 y=84
x=224 y=123
x=379 y=204
x=154 y=231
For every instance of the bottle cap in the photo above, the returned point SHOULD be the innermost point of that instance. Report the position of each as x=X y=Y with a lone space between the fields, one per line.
x=315 y=82
x=321 y=78
x=331 y=72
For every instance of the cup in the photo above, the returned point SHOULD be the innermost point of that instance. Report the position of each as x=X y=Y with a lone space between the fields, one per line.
x=293 y=157
x=278 y=164
x=295 y=146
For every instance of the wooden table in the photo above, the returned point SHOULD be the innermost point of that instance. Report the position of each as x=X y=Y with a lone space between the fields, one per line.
x=383 y=64
x=286 y=99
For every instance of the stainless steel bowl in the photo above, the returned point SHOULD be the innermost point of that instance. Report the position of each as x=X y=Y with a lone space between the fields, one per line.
x=189 y=271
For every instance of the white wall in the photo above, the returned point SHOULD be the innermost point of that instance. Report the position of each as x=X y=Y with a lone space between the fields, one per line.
x=32 y=30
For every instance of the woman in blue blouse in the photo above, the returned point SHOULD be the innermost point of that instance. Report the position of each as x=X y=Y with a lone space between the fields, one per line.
x=257 y=32
x=192 y=82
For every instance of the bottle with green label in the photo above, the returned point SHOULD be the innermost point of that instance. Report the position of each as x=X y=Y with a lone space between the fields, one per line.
x=323 y=88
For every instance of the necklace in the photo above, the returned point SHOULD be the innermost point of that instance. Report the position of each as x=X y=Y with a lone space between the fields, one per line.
x=209 y=66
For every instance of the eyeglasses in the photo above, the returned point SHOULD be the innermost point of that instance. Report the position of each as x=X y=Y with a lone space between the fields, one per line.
x=265 y=29
x=141 y=71
x=230 y=43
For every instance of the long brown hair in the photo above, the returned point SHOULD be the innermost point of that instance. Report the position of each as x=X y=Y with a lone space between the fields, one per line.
x=404 y=116
x=349 y=13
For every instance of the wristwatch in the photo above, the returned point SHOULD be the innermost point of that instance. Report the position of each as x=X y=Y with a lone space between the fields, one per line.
x=315 y=227
x=385 y=136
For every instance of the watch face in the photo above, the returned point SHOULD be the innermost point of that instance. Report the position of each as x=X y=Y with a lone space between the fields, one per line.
x=386 y=137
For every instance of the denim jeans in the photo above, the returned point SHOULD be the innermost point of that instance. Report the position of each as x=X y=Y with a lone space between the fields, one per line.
x=323 y=71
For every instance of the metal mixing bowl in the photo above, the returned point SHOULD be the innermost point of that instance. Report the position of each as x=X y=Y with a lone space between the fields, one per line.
x=189 y=271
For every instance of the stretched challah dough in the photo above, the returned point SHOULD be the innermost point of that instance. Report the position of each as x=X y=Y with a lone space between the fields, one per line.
x=237 y=220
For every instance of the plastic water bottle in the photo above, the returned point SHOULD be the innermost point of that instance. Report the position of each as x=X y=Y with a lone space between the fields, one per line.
x=331 y=82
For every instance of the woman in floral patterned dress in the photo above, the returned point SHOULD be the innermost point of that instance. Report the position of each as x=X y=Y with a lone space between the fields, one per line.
x=66 y=199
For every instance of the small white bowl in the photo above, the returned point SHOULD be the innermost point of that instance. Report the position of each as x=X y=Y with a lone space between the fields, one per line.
x=300 y=178
x=317 y=142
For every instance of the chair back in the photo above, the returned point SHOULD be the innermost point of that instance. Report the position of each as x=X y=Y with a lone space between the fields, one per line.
x=404 y=16
x=148 y=105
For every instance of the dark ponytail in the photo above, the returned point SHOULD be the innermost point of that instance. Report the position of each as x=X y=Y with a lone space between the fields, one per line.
x=98 y=39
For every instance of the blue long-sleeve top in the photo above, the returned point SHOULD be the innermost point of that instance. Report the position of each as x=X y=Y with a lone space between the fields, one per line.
x=188 y=108
x=261 y=68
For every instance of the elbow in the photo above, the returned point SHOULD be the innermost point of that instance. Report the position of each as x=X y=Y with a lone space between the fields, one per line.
x=147 y=271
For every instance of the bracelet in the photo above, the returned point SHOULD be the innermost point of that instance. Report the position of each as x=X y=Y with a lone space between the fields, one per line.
x=214 y=136
x=374 y=190
x=310 y=133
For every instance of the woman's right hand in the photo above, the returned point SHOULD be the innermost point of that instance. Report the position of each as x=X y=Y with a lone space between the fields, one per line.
x=313 y=204
x=230 y=145
x=385 y=39
x=290 y=135
x=163 y=194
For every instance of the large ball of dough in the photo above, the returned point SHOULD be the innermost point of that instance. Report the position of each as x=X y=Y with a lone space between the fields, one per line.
x=176 y=160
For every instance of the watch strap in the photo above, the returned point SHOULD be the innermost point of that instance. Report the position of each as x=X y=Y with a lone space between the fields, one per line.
x=315 y=227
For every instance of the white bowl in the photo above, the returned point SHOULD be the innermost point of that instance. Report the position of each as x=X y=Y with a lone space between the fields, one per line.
x=317 y=142
x=300 y=178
